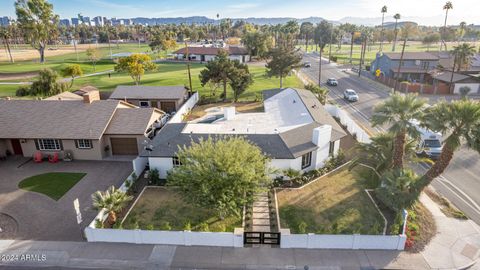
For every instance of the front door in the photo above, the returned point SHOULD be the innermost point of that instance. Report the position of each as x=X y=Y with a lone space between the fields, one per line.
x=17 y=147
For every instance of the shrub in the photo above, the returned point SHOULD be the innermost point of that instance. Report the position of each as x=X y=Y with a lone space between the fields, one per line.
x=150 y=227
x=22 y=91
x=98 y=224
x=118 y=225
x=154 y=177
x=302 y=227
x=203 y=227
x=187 y=226
x=165 y=226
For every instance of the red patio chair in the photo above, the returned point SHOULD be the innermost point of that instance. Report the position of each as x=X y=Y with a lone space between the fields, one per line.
x=53 y=158
x=37 y=157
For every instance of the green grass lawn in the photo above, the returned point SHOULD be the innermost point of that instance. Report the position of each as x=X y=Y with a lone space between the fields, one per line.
x=335 y=204
x=54 y=184
x=158 y=207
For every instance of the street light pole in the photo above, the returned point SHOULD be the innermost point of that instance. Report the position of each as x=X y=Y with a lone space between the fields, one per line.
x=330 y=47
x=320 y=64
x=188 y=68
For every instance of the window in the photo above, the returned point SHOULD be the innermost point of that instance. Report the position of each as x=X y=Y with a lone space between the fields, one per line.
x=306 y=160
x=331 y=149
x=176 y=162
x=83 y=144
x=425 y=64
x=48 y=144
x=144 y=103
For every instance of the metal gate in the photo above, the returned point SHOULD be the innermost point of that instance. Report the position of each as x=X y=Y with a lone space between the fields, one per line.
x=259 y=238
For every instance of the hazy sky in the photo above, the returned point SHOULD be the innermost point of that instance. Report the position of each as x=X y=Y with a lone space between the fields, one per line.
x=431 y=10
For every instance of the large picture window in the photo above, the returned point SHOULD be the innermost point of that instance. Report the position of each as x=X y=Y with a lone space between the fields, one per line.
x=48 y=144
x=306 y=160
x=83 y=144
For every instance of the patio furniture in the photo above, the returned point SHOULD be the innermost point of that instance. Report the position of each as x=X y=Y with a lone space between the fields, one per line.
x=53 y=158
x=37 y=157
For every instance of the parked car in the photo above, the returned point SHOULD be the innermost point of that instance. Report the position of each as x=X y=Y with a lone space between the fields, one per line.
x=350 y=95
x=332 y=82
x=307 y=64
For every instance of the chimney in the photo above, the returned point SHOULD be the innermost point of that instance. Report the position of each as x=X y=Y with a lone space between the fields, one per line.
x=321 y=135
x=91 y=97
x=229 y=113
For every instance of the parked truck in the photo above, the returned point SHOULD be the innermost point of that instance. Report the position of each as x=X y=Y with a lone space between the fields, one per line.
x=430 y=143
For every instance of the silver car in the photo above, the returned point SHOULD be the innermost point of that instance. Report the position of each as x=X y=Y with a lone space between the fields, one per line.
x=350 y=95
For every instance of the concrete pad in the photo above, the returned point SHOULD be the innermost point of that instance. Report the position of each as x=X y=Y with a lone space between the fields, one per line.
x=196 y=256
x=274 y=256
x=260 y=228
x=259 y=221
x=162 y=255
x=262 y=215
x=437 y=256
x=262 y=204
x=114 y=251
x=381 y=258
x=407 y=261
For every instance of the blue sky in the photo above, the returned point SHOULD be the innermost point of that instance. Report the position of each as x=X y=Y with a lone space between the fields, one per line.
x=431 y=10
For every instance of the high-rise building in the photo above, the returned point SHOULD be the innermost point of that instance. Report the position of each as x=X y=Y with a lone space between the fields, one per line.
x=86 y=20
x=75 y=21
x=65 y=22
x=4 y=21
x=98 y=21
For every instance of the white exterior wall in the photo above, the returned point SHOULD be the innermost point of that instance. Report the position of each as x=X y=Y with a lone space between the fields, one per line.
x=162 y=164
x=185 y=109
x=475 y=88
x=212 y=57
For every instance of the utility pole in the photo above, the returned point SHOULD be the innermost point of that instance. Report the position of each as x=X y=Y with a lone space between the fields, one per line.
x=362 y=55
x=188 y=68
x=320 y=64
x=330 y=48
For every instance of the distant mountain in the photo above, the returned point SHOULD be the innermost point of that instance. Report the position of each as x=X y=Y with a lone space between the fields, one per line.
x=373 y=21
x=205 y=20
x=391 y=25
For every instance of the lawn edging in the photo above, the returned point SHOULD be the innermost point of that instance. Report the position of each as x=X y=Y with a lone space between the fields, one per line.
x=378 y=209
x=339 y=241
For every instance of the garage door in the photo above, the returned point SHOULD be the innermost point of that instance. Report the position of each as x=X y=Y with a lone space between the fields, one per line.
x=124 y=146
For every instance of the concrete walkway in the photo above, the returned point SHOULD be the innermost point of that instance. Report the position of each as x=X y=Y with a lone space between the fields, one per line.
x=80 y=255
x=260 y=213
x=456 y=244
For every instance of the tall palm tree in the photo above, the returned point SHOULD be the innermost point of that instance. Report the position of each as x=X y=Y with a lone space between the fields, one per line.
x=384 y=10
x=113 y=201
x=463 y=55
x=446 y=7
x=461 y=30
x=397 y=112
x=5 y=34
x=352 y=29
x=460 y=120
x=408 y=30
x=396 y=17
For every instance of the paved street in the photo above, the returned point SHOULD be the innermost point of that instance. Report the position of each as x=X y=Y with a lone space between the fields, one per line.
x=460 y=183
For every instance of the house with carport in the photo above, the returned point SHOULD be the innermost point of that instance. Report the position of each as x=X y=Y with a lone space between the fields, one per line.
x=294 y=131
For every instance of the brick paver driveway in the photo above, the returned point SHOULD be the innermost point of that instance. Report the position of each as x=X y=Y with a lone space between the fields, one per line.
x=41 y=218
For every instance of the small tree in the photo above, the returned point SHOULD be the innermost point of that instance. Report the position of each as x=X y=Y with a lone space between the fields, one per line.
x=320 y=92
x=218 y=71
x=113 y=201
x=135 y=65
x=46 y=84
x=240 y=79
x=220 y=173
x=72 y=71
x=464 y=90
x=283 y=61
x=93 y=55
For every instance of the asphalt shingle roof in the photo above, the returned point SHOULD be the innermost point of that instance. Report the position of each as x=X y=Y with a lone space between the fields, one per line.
x=29 y=119
x=447 y=75
x=411 y=56
x=148 y=92
x=132 y=121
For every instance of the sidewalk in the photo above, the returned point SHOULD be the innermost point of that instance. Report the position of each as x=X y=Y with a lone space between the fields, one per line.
x=456 y=244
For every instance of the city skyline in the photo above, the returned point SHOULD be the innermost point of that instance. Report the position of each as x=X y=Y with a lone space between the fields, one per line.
x=329 y=10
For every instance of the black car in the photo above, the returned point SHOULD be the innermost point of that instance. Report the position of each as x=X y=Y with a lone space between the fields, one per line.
x=332 y=82
x=307 y=64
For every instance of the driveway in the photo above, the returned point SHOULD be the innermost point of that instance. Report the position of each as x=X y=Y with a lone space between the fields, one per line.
x=41 y=218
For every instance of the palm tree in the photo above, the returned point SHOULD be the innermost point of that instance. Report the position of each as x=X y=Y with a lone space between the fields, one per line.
x=408 y=30
x=384 y=10
x=113 y=201
x=5 y=34
x=446 y=7
x=320 y=92
x=463 y=55
x=396 y=17
x=460 y=120
x=397 y=112
x=461 y=30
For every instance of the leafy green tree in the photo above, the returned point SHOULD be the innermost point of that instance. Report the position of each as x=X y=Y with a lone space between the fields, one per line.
x=460 y=122
x=258 y=43
x=307 y=30
x=320 y=92
x=93 y=54
x=220 y=173
x=240 y=79
x=112 y=200
x=72 y=71
x=463 y=55
x=135 y=65
x=397 y=112
x=324 y=34
x=38 y=23
x=47 y=84
x=283 y=61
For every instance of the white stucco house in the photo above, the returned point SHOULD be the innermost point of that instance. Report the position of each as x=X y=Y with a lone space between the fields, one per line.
x=294 y=131
x=206 y=54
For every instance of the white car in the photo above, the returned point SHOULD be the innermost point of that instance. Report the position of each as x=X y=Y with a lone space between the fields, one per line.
x=350 y=95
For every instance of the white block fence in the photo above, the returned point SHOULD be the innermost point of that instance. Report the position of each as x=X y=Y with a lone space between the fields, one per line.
x=346 y=120
x=185 y=109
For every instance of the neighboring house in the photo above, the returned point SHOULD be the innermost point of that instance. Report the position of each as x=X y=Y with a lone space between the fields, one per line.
x=458 y=80
x=205 y=54
x=166 y=98
x=415 y=65
x=90 y=129
x=295 y=131
x=65 y=96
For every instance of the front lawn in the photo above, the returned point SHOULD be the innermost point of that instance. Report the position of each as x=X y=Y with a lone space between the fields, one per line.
x=164 y=209
x=334 y=204
x=54 y=184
